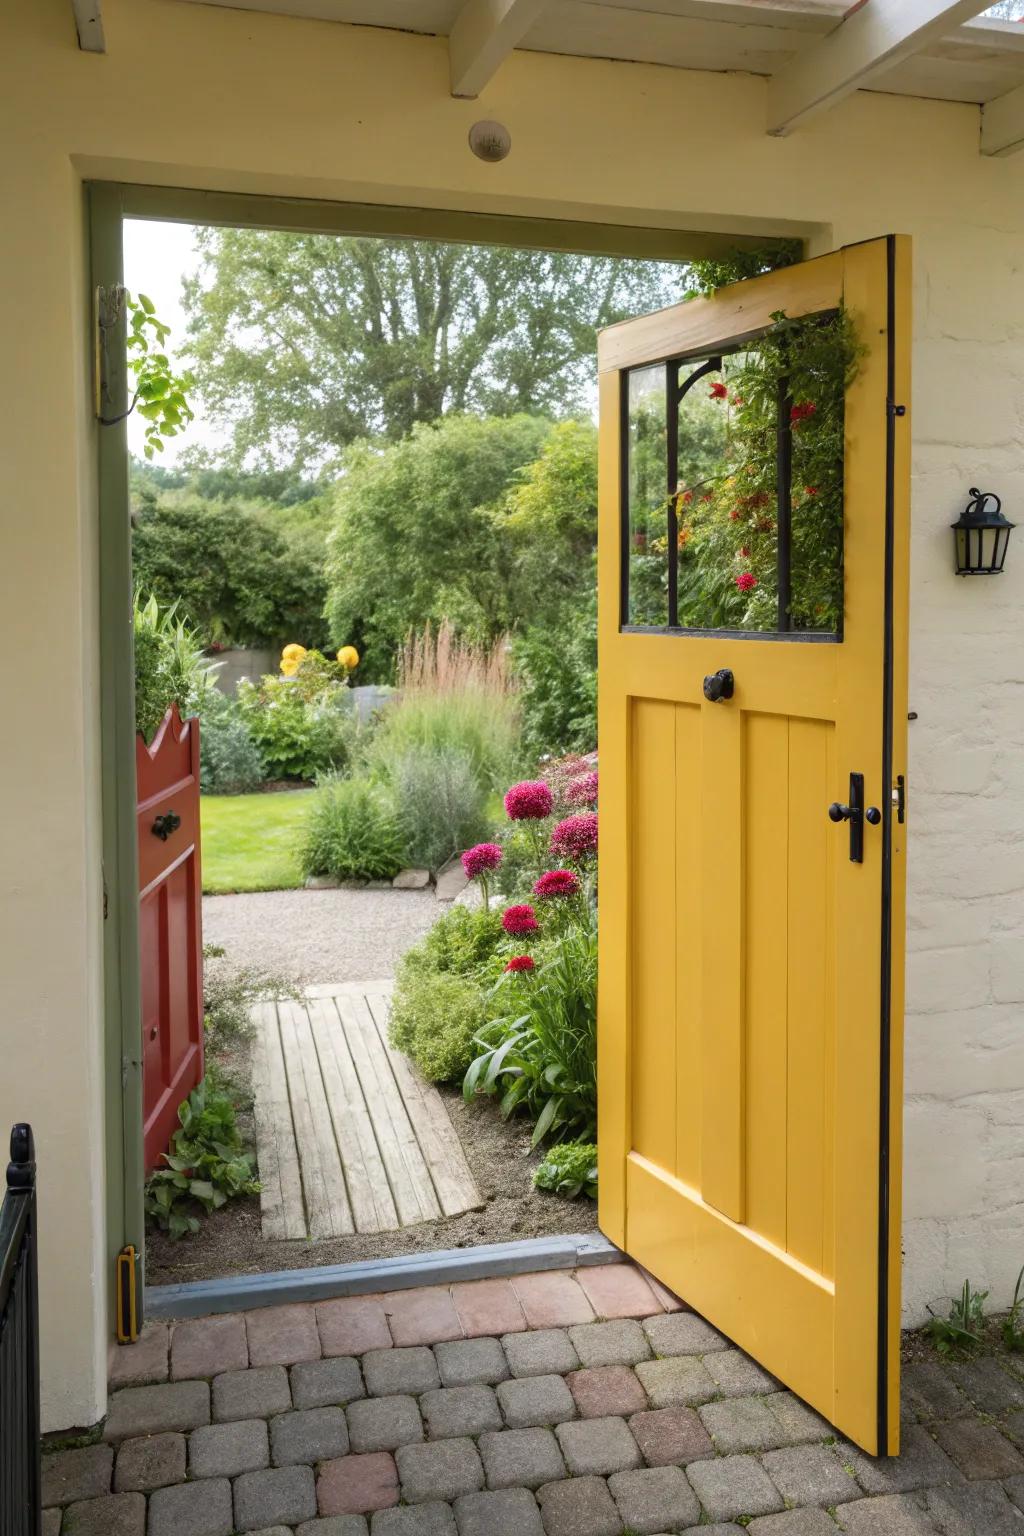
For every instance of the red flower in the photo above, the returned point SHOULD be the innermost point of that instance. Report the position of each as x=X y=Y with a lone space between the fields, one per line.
x=583 y=790
x=557 y=882
x=685 y=497
x=745 y=553
x=529 y=801
x=519 y=920
x=734 y=515
x=478 y=860
x=810 y=490
x=575 y=838
x=746 y=581
x=708 y=496
x=801 y=411
x=719 y=391
x=521 y=963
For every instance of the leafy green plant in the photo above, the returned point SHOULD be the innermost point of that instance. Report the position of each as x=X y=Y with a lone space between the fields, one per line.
x=434 y=1018
x=708 y=275
x=230 y=762
x=463 y=942
x=557 y=669
x=961 y=1329
x=160 y=393
x=230 y=991
x=353 y=832
x=1013 y=1322
x=169 y=665
x=304 y=725
x=442 y=804
x=206 y=1166
x=569 y=1170
x=540 y=1054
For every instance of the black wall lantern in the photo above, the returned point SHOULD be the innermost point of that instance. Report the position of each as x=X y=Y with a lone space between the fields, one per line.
x=981 y=535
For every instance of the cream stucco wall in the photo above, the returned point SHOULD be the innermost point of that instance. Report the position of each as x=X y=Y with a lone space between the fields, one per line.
x=200 y=97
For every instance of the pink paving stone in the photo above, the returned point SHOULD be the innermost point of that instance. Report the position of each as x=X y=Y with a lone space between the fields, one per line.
x=282 y=1335
x=607 y=1391
x=488 y=1306
x=552 y=1299
x=355 y=1485
x=351 y=1325
x=205 y=1346
x=618 y=1290
x=670 y=1302
x=143 y=1363
x=423 y=1315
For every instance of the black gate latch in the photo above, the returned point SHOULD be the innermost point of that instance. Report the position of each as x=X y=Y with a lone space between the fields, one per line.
x=856 y=815
x=165 y=825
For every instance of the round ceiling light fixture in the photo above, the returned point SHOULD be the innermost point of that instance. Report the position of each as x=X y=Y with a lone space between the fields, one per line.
x=490 y=141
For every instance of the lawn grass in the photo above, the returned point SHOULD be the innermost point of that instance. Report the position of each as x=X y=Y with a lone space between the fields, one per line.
x=249 y=840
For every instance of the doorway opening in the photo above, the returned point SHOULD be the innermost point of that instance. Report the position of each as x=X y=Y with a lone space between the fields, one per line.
x=381 y=541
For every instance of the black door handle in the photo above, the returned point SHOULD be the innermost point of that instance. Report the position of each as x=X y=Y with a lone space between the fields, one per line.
x=856 y=815
x=164 y=825
x=719 y=686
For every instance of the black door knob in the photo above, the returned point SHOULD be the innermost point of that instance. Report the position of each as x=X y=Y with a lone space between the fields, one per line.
x=719 y=686
x=164 y=825
x=873 y=815
x=837 y=812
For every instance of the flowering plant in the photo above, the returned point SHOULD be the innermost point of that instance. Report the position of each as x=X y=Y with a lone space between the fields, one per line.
x=479 y=862
x=521 y=963
x=575 y=838
x=557 y=882
x=519 y=920
x=583 y=791
x=530 y=801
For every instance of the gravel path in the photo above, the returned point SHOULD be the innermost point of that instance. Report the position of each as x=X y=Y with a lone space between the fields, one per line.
x=320 y=935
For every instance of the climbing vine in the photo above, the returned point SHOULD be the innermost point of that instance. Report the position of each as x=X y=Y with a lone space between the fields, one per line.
x=161 y=394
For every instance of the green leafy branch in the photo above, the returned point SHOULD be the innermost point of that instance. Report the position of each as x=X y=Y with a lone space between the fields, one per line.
x=161 y=394
x=205 y=1168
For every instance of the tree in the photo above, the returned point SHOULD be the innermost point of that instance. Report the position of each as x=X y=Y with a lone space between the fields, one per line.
x=418 y=534
x=243 y=575
x=306 y=343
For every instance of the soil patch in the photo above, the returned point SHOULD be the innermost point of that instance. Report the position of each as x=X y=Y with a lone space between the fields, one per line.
x=230 y=1242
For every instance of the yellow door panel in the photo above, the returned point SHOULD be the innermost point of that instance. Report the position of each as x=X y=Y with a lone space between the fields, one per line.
x=750 y=987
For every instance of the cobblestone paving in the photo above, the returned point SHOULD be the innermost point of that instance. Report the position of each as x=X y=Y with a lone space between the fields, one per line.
x=555 y=1404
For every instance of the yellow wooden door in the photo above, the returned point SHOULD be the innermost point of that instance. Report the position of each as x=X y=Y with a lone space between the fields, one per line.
x=750 y=994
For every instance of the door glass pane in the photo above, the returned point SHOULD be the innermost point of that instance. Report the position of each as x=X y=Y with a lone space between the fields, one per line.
x=755 y=454
x=647 y=490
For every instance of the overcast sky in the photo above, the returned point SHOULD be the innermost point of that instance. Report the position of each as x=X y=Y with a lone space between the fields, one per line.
x=156 y=258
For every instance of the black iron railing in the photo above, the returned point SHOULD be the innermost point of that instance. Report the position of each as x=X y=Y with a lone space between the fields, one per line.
x=20 y=1492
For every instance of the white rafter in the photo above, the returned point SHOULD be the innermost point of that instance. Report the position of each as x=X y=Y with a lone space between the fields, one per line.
x=483 y=35
x=1002 y=124
x=90 y=26
x=870 y=40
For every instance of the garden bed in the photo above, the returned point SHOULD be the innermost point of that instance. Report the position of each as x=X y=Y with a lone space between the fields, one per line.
x=499 y=1157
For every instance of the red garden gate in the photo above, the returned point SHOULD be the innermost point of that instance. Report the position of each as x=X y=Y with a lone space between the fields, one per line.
x=170 y=925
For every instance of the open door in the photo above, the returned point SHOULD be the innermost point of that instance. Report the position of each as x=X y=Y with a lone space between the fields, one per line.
x=752 y=725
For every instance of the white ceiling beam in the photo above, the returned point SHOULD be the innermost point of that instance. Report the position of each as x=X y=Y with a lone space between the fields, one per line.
x=1002 y=124
x=872 y=39
x=483 y=35
x=89 y=23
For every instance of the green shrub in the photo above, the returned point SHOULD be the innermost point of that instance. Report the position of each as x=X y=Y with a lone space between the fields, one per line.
x=441 y=803
x=434 y=1018
x=540 y=1053
x=569 y=1170
x=229 y=760
x=304 y=725
x=229 y=993
x=206 y=1166
x=352 y=833
x=557 y=668
x=169 y=665
x=463 y=942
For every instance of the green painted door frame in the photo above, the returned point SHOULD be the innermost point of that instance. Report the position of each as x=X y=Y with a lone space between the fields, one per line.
x=109 y=204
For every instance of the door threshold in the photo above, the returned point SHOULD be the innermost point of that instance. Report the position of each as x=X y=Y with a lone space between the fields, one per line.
x=445 y=1266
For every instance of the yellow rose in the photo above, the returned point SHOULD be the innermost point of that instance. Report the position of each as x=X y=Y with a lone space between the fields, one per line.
x=289 y=667
x=348 y=657
x=293 y=653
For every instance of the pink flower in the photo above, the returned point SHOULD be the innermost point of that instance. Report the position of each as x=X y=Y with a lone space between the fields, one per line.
x=746 y=581
x=557 y=882
x=521 y=963
x=478 y=860
x=529 y=801
x=575 y=838
x=583 y=791
x=519 y=920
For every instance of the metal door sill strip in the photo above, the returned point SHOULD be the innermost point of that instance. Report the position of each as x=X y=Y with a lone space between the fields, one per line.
x=239 y=1293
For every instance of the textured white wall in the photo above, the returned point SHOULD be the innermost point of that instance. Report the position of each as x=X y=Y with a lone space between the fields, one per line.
x=311 y=109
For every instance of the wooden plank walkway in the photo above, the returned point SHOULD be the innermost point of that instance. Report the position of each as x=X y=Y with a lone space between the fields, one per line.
x=350 y=1138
